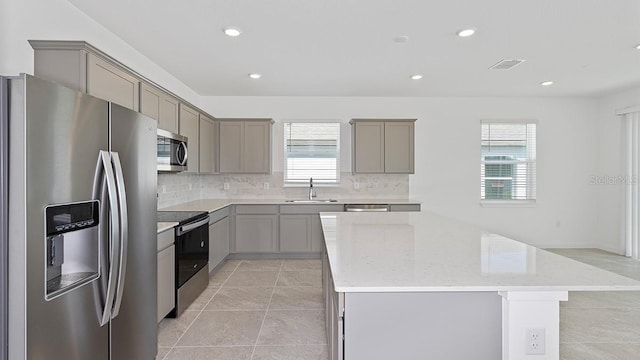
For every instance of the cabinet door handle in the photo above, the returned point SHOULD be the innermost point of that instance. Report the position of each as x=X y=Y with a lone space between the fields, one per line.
x=201 y=244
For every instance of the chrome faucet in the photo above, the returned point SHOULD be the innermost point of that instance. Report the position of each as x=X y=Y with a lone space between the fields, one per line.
x=312 y=191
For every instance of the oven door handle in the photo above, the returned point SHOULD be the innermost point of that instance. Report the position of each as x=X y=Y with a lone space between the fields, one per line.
x=186 y=228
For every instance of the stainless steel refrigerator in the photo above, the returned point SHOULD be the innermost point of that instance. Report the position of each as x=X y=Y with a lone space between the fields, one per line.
x=78 y=226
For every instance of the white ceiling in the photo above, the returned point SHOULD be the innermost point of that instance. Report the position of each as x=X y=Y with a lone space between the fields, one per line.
x=346 y=47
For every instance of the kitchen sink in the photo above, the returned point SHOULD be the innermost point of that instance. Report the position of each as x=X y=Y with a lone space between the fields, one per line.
x=311 y=201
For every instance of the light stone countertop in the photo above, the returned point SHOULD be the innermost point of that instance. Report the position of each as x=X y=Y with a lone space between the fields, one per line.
x=210 y=205
x=425 y=252
x=164 y=226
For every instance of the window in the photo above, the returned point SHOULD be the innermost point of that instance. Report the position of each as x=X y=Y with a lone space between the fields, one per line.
x=312 y=150
x=508 y=160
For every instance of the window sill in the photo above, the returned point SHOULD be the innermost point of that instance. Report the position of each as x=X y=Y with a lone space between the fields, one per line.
x=507 y=203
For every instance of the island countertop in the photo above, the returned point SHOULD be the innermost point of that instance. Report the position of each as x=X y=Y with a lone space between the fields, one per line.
x=426 y=252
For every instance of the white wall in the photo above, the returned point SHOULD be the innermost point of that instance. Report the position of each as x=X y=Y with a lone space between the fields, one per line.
x=611 y=164
x=576 y=138
x=22 y=20
x=447 y=176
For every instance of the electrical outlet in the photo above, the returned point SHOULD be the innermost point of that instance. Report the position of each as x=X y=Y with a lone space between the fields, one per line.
x=534 y=342
x=266 y=186
x=225 y=186
x=190 y=186
x=356 y=186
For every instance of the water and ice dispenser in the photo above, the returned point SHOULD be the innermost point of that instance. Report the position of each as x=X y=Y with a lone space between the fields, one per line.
x=71 y=246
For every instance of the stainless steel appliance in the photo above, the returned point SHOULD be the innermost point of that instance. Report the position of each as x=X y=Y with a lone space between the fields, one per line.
x=172 y=152
x=81 y=229
x=192 y=255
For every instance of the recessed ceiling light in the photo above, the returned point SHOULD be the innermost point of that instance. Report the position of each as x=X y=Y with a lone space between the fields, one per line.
x=401 y=39
x=233 y=32
x=546 y=83
x=638 y=46
x=255 y=76
x=416 y=77
x=466 y=32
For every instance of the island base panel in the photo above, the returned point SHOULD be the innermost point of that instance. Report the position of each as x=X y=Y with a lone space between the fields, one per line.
x=463 y=325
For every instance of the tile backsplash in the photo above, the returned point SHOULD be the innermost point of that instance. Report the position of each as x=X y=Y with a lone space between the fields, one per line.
x=179 y=188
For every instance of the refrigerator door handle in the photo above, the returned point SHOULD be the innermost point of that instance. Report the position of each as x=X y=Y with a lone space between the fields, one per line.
x=124 y=232
x=104 y=164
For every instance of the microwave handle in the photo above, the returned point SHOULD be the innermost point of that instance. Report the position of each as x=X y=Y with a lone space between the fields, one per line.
x=182 y=161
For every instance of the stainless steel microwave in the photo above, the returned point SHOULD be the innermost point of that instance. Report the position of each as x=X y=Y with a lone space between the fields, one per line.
x=172 y=152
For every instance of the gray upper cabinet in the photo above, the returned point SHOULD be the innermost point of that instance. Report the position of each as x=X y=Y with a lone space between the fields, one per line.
x=106 y=81
x=257 y=147
x=150 y=100
x=245 y=146
x=231 y=141
x=399 y=147
x=80 y=66
x=207 y=145
x=368 y=147
x=189 y=125
x=159 y=105
x=169 y=114
x=383 y=146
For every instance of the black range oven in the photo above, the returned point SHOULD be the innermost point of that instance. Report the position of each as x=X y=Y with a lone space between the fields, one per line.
x=192 y=255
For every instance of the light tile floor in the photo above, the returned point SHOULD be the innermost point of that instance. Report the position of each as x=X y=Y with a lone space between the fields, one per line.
x=252 y=310
x=272 y=309
x=601 y=325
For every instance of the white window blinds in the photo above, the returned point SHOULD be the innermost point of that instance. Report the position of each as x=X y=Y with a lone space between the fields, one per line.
x=508 y=161
x=312 y=150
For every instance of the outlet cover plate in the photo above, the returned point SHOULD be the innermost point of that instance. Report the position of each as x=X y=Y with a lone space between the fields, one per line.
x=535 y=341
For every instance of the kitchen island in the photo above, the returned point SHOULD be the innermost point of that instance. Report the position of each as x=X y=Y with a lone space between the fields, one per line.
x=422 y=286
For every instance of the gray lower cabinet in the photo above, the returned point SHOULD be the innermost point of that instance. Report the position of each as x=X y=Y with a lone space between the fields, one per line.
x=293 y=229
x=256 y=233
x=334 y=313
x=295 y=233
x=166 y=273
x=255 y=229
x=218 y=237
x=300 y=227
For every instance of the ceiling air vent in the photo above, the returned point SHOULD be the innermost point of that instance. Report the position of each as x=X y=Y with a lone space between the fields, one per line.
x=506 y=64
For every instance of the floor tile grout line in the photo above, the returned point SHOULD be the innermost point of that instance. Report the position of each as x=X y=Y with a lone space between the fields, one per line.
x=267 y=310
x=200 y=312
